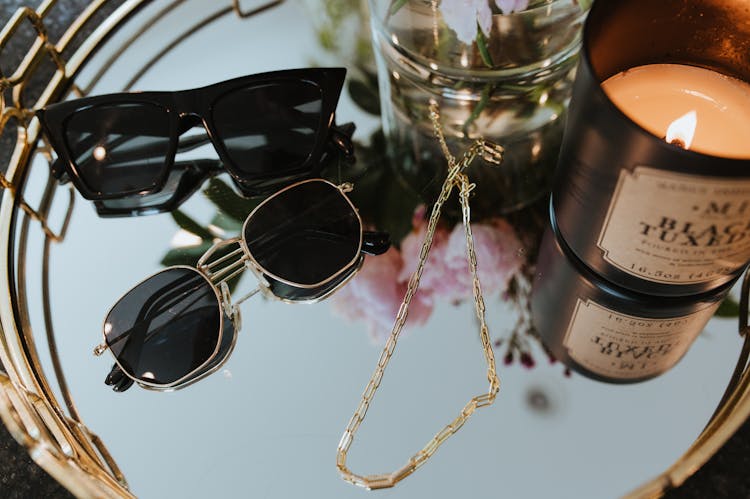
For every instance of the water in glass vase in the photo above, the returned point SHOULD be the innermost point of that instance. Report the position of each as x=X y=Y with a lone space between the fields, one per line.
x=499 y=69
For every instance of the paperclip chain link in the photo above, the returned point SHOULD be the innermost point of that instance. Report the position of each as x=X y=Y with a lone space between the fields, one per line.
x=456 y=178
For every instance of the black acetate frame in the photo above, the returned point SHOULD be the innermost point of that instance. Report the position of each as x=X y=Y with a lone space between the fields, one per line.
x=195 y=107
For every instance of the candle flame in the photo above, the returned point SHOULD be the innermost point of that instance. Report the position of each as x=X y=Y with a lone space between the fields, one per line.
x=682 y=130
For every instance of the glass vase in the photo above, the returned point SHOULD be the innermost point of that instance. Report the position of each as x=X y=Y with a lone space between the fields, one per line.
x=501 y=70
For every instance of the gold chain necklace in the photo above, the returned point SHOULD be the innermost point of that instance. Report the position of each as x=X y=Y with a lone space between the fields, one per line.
x=491 y=153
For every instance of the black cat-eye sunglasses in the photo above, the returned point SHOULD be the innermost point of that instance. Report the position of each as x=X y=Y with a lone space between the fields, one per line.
x=268 y=129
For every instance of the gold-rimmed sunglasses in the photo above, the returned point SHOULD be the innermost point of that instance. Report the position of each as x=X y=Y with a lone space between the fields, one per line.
x=180 y=324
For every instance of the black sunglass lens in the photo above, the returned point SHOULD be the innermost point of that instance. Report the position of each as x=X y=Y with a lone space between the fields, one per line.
x=269 y=129
x=183 y=179
x=165 y=328
x=293 y=293
x=119 y=148
x=305 y=234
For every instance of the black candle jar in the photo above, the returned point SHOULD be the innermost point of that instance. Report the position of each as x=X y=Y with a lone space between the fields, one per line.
x=645 y=214
x=606 y=332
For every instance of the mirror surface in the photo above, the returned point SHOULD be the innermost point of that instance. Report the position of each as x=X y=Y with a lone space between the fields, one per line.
x=268 y=422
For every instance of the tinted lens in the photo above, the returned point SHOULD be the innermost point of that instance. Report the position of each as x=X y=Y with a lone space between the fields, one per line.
x=183 y=179
x=271 y=128
x=119 y=148
x=305 y=234
x=293 y=293
x=165 y=328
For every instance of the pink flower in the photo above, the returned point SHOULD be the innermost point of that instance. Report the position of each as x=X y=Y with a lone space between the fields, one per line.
x=446 y=274
x=435 y=275
x=499 y=257
x=374 y=295
x=377 y=291
x=510 y=6
x=463 y=16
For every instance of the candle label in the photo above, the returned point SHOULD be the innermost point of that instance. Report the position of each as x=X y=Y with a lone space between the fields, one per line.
x=622 y=346
x=676 y=228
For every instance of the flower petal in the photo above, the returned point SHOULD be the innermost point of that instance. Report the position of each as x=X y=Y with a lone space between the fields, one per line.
x=510 y=6
x=460 y=16
x=484 y=16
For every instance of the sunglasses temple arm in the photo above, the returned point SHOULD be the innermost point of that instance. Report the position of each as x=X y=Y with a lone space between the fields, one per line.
x=118 y=380
x=246 y=297
x=341 y=138
x=375 y=242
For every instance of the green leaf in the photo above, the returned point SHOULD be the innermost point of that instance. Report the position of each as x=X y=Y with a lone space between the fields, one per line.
x=190 y=225
x=385 y=202
x=728 y=308
x=188 y=255
x=225 y=222
x=228 y=201
x=396 y=6
x=484 y=52
x=365 y=97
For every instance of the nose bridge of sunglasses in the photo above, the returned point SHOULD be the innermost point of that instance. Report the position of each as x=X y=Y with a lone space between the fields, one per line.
x=193 y=141
x=223 y=262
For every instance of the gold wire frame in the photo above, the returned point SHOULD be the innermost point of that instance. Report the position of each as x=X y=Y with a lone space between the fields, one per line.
x=57 y=439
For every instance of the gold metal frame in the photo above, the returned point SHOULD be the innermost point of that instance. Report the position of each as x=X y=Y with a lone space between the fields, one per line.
x=59 y=441
x=218 y=272
x=343 y=189
x=225 y=308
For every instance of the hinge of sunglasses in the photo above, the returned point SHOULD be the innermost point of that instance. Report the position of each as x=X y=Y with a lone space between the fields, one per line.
x=100 y=349
x=346 y=187
x=341 y=136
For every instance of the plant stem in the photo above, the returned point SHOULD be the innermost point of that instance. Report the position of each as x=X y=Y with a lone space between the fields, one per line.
x=483 y=100
x=484 y=52
x=395 y=7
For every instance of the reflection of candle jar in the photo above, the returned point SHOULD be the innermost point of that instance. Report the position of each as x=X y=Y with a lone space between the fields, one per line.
x=634 y=198
x=606 y=332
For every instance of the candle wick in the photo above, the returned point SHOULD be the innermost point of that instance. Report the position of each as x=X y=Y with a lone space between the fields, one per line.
x=677 y=142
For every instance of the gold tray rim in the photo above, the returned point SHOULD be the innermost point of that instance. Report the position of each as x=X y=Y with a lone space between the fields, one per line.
x=61 y=444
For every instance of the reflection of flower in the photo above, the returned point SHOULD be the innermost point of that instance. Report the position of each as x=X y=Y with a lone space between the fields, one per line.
x=499 y=257
x=375 y=296
x=463 y=16
x=376 y=293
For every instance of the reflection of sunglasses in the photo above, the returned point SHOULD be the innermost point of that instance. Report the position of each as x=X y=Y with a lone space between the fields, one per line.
x=268 y=129
x=179 y=325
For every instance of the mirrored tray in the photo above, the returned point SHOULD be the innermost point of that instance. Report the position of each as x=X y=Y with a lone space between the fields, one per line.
x=268 y=423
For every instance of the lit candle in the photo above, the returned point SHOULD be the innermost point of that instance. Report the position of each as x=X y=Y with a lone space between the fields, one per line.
x=657 y=95
x=652 y=185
